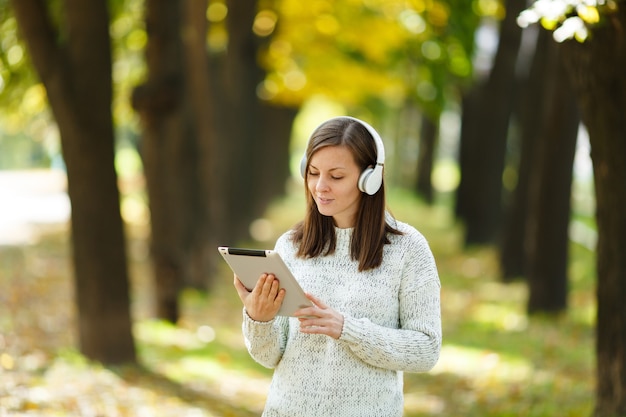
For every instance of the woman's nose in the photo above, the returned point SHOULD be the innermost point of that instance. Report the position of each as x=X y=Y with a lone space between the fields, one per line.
x=322 y=184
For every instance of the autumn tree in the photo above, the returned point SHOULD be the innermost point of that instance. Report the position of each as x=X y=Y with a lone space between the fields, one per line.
x=208 y=225
x=394 y=63
x=169 y=154
x=547 y=239
x=595 y=64
x=214 y=154
x=442 y=57
x=487 y=112
x=534 y=243
x=530 y=111
x=73 y=60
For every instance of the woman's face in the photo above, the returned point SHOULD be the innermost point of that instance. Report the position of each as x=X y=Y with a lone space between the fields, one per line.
x=332 y=180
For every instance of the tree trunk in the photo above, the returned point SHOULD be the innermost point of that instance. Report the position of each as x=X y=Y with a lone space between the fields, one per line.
x=276 y=126
x=241 y=161
x=483 y=181
x=468 y=157
x=513 y=259
x=209 y=227
x=426 y=157
x=77 y=77
x=168 y=154
x=596 y=68
x=253 y=151
x=551 y=184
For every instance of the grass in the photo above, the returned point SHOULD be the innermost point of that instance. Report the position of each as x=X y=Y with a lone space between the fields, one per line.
x=496 y=361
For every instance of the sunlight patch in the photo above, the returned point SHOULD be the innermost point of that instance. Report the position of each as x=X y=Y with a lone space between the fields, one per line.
x=480 y=364
x=501 y=317
x=161 y=333
x=423 y=403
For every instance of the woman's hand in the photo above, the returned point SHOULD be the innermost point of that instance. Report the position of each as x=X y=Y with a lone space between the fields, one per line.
x=265 y=299
x=320 y=319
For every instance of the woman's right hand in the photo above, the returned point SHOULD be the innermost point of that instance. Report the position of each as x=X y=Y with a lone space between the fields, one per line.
x=265 y=299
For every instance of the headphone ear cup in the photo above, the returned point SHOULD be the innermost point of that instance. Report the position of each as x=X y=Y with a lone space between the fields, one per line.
x=303 y=163
x=364 y=179
x=370 y=180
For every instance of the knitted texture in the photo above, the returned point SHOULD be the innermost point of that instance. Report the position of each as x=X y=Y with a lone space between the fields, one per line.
x=392 y=324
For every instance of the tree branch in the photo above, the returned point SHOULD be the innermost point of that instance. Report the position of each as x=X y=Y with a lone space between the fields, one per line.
x=40 y=35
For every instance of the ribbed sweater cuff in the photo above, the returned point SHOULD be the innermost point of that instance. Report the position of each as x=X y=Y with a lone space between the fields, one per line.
x=352 y=330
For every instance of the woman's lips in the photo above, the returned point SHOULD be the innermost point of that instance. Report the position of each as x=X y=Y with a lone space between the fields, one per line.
x=324 y=201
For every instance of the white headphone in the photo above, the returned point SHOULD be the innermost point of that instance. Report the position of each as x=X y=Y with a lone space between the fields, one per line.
x=371 y=179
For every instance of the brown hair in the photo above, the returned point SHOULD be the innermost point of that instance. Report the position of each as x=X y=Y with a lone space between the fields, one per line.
x=315 y=235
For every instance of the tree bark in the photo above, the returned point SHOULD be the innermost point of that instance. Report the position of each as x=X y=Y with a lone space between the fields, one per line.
x=468 y=155
x=426 y=157
x=243 y=149
x=482 y=182
x=513 y=253
x=249 y=143
x=596 y=70
x=550 y=194
x=209 y=221
x=277 y=123
x=168 y=153
x=77 y=77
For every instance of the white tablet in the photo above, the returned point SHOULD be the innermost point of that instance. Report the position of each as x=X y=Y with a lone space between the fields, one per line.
x=250 y=264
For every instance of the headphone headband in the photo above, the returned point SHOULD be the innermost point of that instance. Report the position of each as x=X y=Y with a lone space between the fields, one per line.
x=378 y=141
x=371 y=179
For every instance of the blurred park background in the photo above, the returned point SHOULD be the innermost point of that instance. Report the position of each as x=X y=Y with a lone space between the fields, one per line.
x=138 y=135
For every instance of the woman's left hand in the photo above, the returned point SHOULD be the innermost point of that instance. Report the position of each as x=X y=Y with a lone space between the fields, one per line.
x=320 y=319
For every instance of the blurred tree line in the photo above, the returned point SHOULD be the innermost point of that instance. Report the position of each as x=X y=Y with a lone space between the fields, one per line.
x=217 y=86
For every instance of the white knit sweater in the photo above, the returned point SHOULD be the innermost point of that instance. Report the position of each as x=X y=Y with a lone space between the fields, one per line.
x=392 y=323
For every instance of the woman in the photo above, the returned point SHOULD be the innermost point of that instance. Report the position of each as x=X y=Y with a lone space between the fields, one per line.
x=372 y=280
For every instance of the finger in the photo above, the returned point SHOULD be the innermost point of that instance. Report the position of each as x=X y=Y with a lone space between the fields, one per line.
x=238 y=284
x=315 y=328
x=307 y=313
x=316 y=301
x=241 y=289
x=280 y=297
x=270 y=286
x=258 y=288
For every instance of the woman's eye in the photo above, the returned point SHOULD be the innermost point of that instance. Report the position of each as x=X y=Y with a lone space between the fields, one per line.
x=317 y=174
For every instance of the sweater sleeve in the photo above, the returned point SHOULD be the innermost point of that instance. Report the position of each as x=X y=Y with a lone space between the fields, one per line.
x=265 y=341
x=415 y=345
